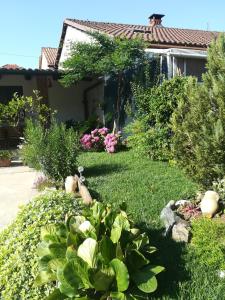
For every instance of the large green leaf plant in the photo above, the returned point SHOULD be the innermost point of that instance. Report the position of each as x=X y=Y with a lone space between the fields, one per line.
x=97 y=255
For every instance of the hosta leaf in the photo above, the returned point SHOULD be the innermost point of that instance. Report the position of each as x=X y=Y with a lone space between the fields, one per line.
x=103 y=279
x=122 y=275
x=141 y=241
x=56 y=295
x=73 y=239
x=145 y=278
x=138 y=258
x=57 y=250
x=56 y=263
x=43 y=262
x=118 y=296
x=75 y=222
x=44 y=277
x=76 y=273
x=121 y=223
x=87 y=251
x=64 y=287
x=107 y=249
x=43 y=249
x=71 y=253
x=119 y=251
x=54 y=233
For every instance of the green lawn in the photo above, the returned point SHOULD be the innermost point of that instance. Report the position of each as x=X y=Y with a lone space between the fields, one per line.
x=147 y=186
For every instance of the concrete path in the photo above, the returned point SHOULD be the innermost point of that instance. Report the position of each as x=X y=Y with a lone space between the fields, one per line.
x=16 y=184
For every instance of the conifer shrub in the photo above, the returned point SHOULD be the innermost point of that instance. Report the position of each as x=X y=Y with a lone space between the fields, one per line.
x=198 y=123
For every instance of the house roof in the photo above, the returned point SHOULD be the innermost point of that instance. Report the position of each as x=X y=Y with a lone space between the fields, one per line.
x=11 y=67
x=152 y=34
x=50 y=54
x=157 y=36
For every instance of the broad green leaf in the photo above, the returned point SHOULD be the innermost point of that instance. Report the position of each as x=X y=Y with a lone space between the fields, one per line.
x=120 y=223
x=119 y=251
x=118 y=296
x=87 y=251
x=43 y=262
x=54 y=233
x=57 y=250
x=56 y=295
x=64 y=287
x=44 y=277
x=138 y=258
x=103 y=279
x=107 y=249
x=73 y=239
x=76 y=273
x=145 y=278
x=75 y=222
x=141 y=241
x=71 y=253
x=43 y=249
x=56 y=263
x=122 y=275
x=98 y=210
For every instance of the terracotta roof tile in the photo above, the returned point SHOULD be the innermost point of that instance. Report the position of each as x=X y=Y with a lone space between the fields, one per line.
x=11 y=67
x=50 y=54
x=155 y=34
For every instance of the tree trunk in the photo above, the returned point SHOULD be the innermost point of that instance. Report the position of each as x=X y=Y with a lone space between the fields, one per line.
x=116 y=124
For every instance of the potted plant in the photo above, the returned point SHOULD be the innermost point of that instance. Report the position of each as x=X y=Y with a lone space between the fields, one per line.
x=5 y=158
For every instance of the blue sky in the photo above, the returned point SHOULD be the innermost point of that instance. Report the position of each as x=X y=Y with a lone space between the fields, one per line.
x=27 y=25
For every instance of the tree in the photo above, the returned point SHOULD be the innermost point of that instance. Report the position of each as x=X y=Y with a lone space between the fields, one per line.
x=199 y=122
x=104 y=56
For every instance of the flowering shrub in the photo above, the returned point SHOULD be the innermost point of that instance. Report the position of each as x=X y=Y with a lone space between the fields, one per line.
x=100 y=139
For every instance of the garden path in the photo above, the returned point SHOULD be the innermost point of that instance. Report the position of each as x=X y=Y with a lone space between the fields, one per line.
x=16 y=184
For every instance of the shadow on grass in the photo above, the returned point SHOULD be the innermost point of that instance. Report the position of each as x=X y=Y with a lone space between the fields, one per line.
x=169 y=254
x=103 y=169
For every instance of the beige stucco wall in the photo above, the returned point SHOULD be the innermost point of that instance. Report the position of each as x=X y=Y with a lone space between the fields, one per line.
x=19 y=80
x=72 y=35
x=67 y=101
x=44 y=63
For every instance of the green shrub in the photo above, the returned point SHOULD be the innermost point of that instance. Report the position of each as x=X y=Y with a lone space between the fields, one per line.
x=54 y=151
x=5 y=154
x=208 y=242
x=97 y=255
x=155 y=106
x=18 y=243
x=199 y=122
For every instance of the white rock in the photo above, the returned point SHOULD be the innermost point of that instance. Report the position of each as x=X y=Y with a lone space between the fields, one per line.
x=70 y=184
x=180 y=233
x=209 y=203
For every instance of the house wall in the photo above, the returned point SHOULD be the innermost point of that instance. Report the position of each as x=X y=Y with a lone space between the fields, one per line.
x=67 y=101
x=72 y=35
x=44 y=63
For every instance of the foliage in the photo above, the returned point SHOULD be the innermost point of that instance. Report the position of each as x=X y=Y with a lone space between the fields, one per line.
x=199 y=122
x=5 y=154
x=208 y=242
x=92 y=257
x=152 y=129
x=18 y=243
x=100 y=139
x=20 y=107
x=82 y=127
x=104 y=56
x=53 y=150
x=42 y=182
x=219 y=187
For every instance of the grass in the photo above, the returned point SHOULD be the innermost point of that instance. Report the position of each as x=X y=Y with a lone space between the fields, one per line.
x=147 y=186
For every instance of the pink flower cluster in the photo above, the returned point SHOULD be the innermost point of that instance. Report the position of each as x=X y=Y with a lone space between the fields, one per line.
x=100 y=139
x=111 y=142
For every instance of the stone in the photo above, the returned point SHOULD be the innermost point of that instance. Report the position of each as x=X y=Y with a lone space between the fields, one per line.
x=168 y=217
x=182 y=203
x=180 y=232
x=209 y=204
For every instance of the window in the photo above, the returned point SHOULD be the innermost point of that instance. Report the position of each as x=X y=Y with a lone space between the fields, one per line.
x=7 y=92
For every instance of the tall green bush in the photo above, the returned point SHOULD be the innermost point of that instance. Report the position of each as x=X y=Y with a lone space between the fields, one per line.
x=18 y=244
x=152 y=127
x=199 y=122
x=53 y=151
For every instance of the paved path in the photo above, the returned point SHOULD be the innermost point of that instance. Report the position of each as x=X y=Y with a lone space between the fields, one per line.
x=15 y=190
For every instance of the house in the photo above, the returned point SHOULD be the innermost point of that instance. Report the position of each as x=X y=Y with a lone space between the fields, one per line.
x=181 y=51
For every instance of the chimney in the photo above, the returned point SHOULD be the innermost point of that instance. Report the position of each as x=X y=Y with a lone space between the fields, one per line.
x=155 y=20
